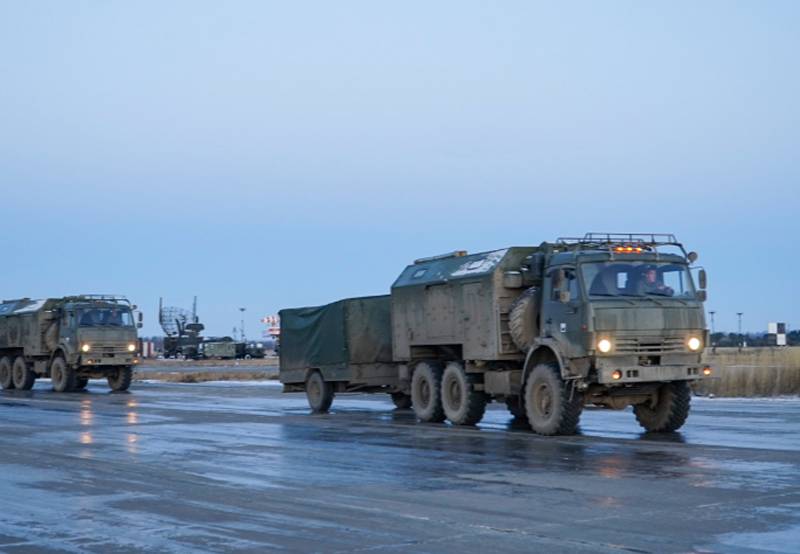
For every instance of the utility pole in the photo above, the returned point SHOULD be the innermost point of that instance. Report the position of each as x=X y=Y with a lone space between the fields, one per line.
x=241 y=328
x=741 y=338
x=713 y=342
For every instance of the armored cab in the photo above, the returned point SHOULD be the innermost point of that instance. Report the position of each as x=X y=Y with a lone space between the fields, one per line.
x=68 y=339
x=459 y=304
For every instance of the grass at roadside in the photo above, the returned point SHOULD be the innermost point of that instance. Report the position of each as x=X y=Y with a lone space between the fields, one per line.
x=203 y=376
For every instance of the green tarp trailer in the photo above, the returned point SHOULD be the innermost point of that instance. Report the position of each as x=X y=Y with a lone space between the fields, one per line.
x=349 y=342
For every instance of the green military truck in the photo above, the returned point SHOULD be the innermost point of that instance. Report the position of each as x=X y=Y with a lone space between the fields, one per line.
x=70 y=340
x=610 y=320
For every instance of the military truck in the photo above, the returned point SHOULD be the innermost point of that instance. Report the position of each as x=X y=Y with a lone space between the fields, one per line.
x=70 y=340
x=609 y=320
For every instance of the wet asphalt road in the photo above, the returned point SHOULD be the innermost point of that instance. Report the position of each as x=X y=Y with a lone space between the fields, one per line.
x=241 y=467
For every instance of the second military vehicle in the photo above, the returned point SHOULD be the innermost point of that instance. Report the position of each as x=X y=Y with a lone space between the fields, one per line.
x=70 y=340
x=611 y=320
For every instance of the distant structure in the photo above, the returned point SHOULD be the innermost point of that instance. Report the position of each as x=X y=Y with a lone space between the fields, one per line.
x=776 y=333
x=181 y=330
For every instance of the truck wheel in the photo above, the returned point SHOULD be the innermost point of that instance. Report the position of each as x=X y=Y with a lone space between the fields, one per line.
x=670 y=411
x=6 y=377
x=461 y=403
x=553 y=408
x=426 y=392
x=62 y=376
x=401 y=400
x=120 y=380
x=516 y=407
x=319 y=393
x=23 y=377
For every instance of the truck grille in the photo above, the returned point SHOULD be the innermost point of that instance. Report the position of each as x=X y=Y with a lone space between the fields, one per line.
x=629 y=345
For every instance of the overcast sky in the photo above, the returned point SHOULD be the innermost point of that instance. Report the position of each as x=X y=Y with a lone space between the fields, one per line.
x=274 y=154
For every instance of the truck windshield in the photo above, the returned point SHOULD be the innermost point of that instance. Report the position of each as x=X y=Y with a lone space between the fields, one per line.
x=105 y=317
x=640 y=279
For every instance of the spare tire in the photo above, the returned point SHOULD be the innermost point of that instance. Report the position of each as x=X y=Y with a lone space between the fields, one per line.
x=523 y=319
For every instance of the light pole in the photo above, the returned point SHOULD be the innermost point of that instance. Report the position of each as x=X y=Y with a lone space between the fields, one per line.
x=241 y=328
x=739 y=314
x=713 y=344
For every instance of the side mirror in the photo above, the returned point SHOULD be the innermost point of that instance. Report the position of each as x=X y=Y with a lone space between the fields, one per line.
x=701 y=295
x=139 y=325
x=702 y=278
x=140 y=317
x=564 y=296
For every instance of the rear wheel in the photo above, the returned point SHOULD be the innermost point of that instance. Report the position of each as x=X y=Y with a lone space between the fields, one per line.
x=62 y=376
x=670 y=410
x=401 y=400
x=23 y=377
x=120 y=380
x=6 y=377
x=426 y=392
x=553 y=408
x=461 y=403
x=319 y=393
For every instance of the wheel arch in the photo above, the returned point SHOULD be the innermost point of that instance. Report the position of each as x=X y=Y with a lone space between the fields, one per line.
x=544 y=351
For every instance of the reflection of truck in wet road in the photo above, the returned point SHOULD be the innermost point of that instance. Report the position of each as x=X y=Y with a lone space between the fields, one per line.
x=69 y=339
x=611 y=320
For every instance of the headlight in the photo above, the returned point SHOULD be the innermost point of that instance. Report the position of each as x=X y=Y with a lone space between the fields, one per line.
x=85 y=348
x=131 y=347
x=604 y=345
x=694 y=343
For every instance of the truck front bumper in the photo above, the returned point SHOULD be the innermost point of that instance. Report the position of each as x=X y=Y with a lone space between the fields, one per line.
x=610 y=373
x=108 y=359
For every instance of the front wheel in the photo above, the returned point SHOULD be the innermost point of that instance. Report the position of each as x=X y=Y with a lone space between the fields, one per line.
x=120 y=380
x=670 y=410
x=553 y=408
x=62 y=376
x=319 y=393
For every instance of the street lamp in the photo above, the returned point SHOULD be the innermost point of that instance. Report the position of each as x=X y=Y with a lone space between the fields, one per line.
x=739 y=314
x=713 y=344
x=241 y=328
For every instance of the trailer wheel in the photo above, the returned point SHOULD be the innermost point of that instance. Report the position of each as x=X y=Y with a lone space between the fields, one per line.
x=62 y=376
x=6 y=377
x=516 y=407
x=462 y=404
x=23 y=377
x=120 y=380
x=319 y=393
x=553 y=408
x=670 y=411
x=402 y=401
x=426 y=392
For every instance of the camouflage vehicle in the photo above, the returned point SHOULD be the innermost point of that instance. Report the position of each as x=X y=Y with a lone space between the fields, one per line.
x=70 y=340
x=611 y=320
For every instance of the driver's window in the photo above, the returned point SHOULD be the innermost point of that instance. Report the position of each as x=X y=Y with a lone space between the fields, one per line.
x=572 y=284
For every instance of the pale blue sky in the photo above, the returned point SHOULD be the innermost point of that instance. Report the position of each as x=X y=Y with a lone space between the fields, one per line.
x=272 y=154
